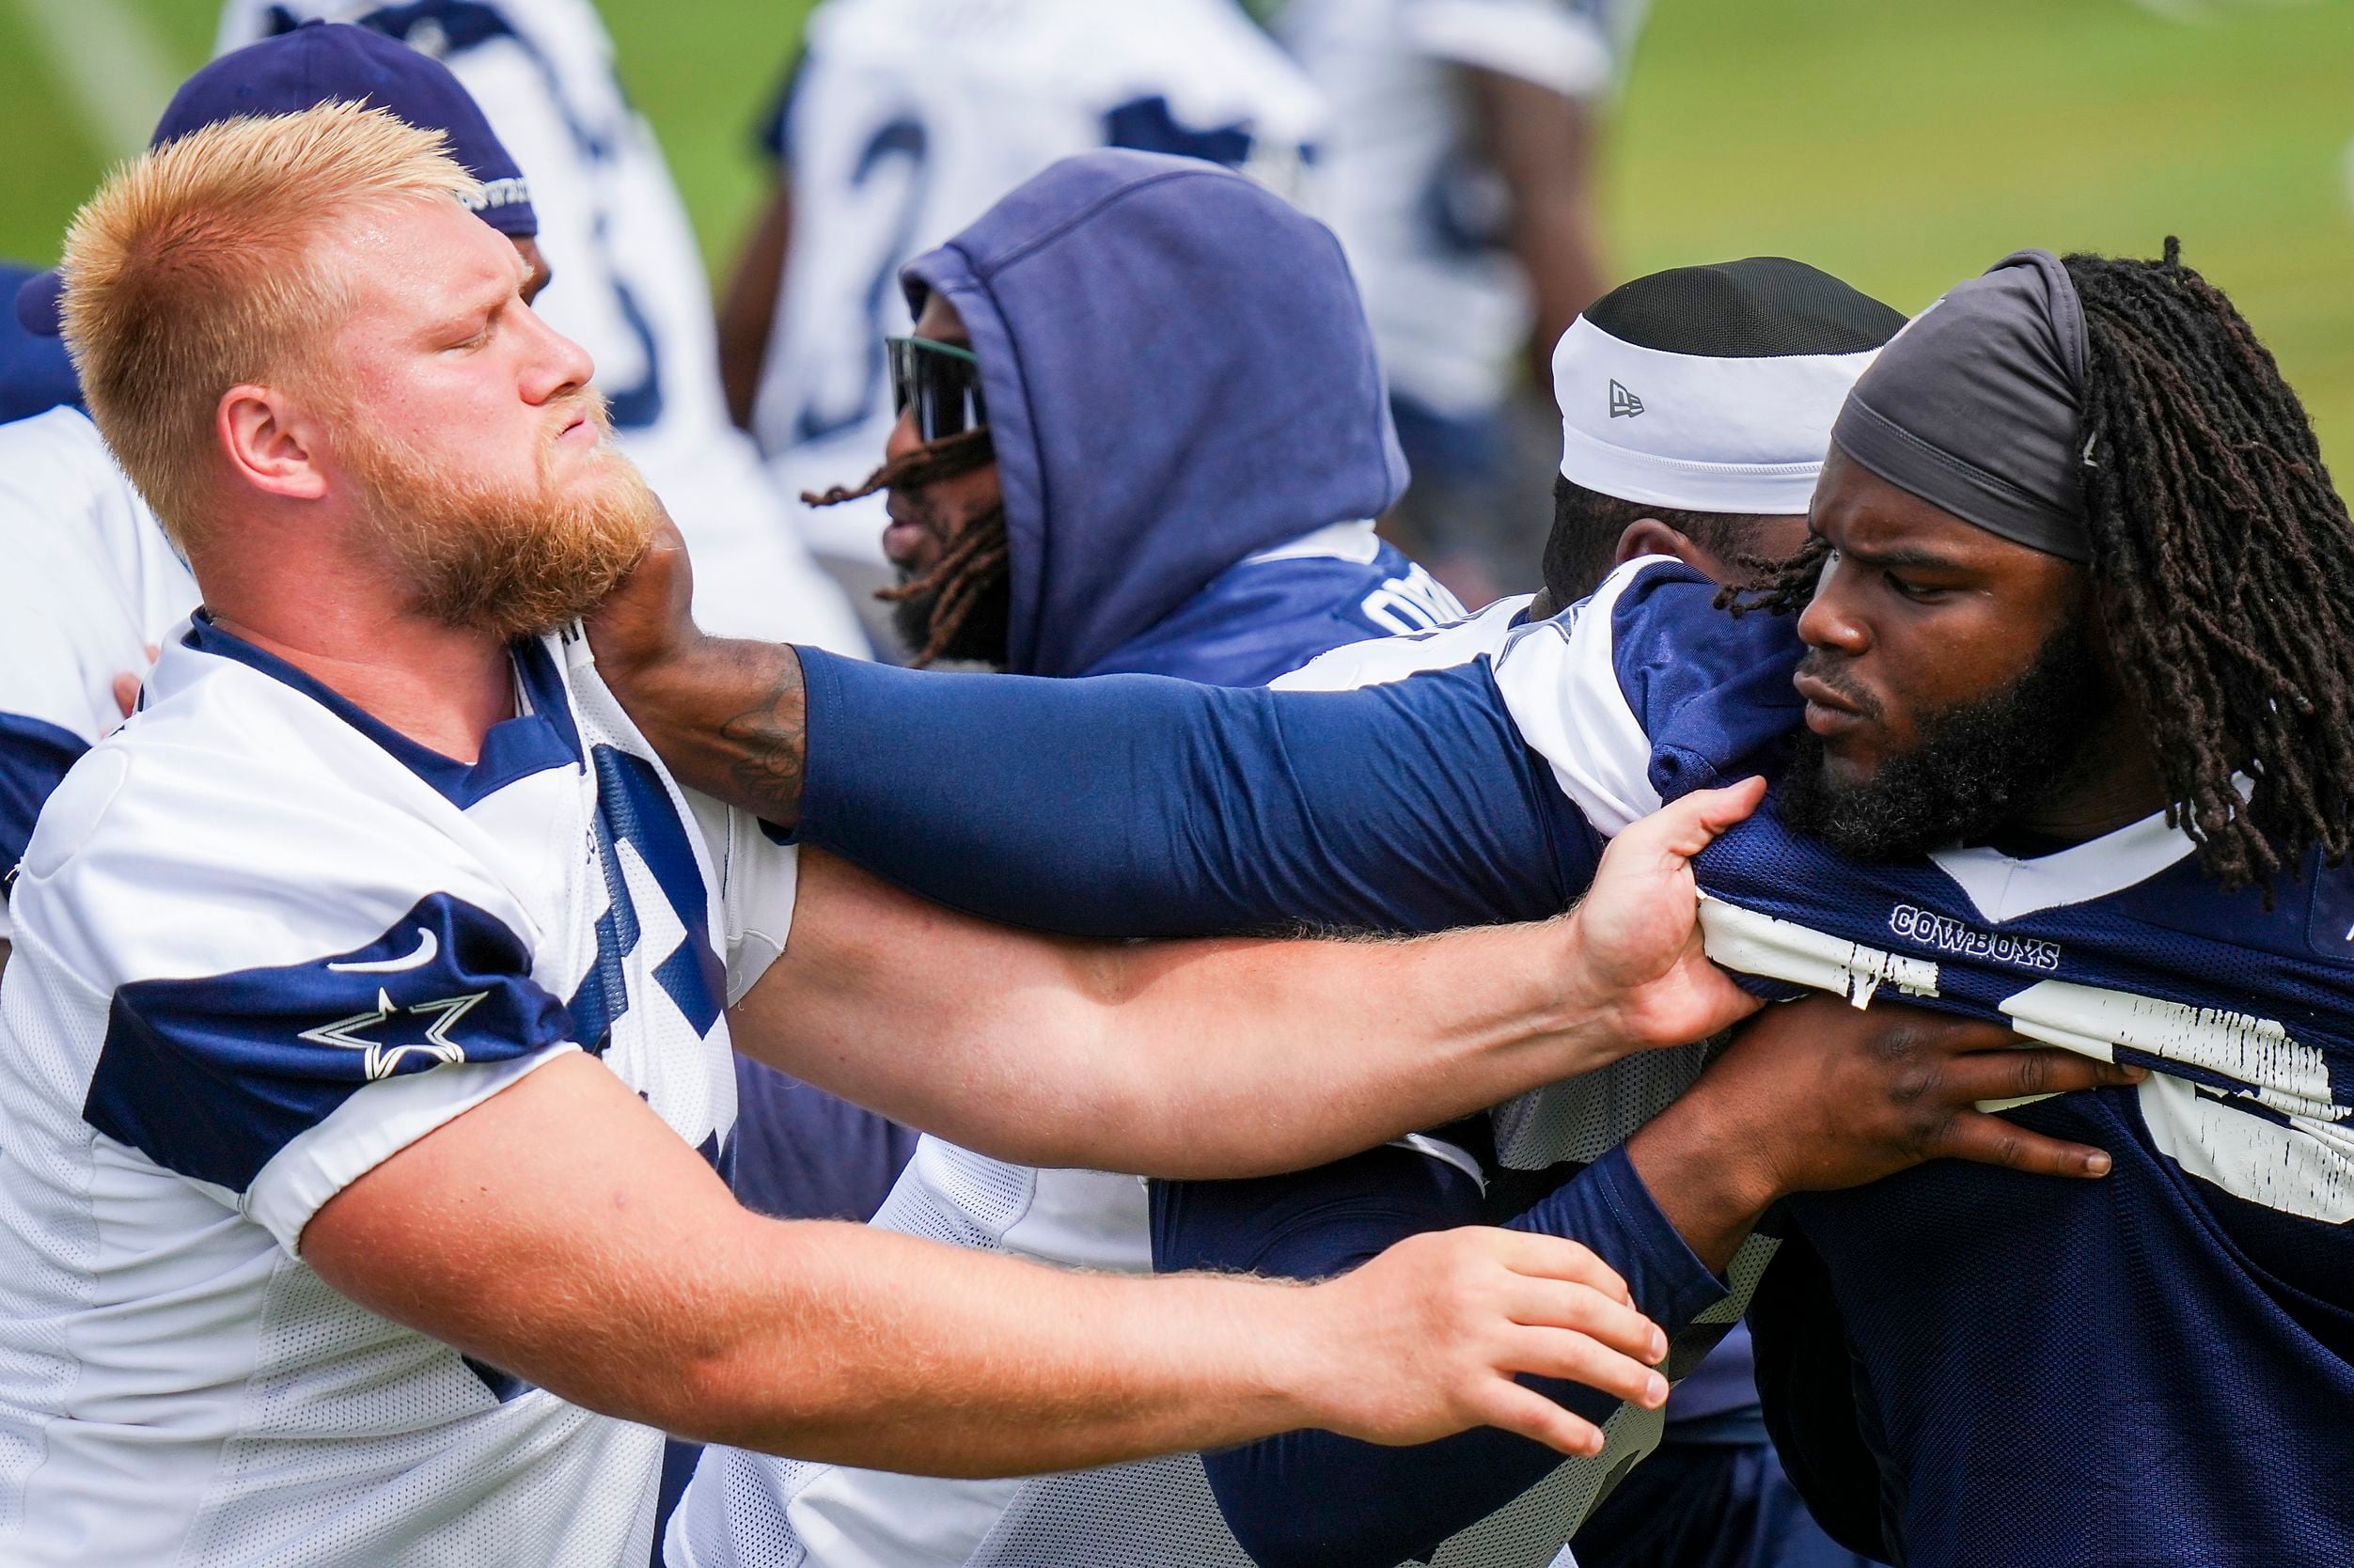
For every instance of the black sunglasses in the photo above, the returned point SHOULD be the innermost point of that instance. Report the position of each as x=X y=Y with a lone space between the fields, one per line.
x=941 y=381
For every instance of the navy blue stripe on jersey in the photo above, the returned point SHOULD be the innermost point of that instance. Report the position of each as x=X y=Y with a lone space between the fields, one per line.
x=1314 y=1498
x=34 y=758
x=212 y=1076
x=1150 y=125
x=513 y=748
x=1409 y=807
x=634 y=809
x=773 y=136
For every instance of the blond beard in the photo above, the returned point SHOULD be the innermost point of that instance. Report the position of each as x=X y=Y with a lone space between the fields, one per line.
x=515 y=561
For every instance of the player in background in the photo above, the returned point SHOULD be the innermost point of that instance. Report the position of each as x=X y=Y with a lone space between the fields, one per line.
x=1052 y=542
x=900 y=122
x=373 y=983
x=109 y=584
x=2057 y=700
x=629 y=283
x=1459 y=167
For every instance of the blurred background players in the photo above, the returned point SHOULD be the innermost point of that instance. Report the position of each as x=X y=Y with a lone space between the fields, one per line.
x=1458 y=167
x=628 y=287
x=901 y=120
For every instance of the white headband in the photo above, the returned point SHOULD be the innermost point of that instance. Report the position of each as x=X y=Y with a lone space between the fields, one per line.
x=1696 y=434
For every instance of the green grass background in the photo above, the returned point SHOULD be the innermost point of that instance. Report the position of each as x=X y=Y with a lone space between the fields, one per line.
x=1899 y=143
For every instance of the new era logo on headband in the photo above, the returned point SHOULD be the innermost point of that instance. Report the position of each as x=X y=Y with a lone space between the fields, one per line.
x=1624 y=404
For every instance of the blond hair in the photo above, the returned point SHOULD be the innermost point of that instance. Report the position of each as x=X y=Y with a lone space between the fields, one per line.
x=195 y=268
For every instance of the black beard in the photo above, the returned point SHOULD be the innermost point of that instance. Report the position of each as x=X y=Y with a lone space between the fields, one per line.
x=981 y=640
x=1979 y=767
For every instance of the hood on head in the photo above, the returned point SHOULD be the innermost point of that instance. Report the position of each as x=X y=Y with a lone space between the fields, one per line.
x=1179 y=374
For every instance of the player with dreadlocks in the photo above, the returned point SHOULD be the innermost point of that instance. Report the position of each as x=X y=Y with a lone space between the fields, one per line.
x=2057 y=732
x=2216 y=555
x=934 y=604
x=1059 y=541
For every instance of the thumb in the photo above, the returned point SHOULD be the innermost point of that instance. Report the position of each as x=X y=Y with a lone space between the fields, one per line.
x=1687 y=826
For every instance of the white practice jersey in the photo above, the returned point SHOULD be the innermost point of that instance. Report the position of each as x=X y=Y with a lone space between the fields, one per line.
x=96 y=584
x=1420 y=213
x=906 y=119
x=629 y=286
x=263 y=943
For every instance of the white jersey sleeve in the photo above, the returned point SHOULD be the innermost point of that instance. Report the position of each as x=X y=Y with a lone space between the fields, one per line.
x=1559 y=679
x=276 y=1008
x=760 y=876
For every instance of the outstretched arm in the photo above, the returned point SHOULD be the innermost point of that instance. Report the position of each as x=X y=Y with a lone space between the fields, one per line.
x=1124 y=805
x=559 y=1230
x=1229 y=1057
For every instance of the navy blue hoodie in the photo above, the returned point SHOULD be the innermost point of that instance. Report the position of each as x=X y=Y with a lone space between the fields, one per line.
x=1190 y=429
x=1181 y=390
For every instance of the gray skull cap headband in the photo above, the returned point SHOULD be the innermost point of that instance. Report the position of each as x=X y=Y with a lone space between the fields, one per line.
x=1973 y=406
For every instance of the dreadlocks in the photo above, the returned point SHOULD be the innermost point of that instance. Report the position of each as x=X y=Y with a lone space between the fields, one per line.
x=2223 y=562
x=958 y=608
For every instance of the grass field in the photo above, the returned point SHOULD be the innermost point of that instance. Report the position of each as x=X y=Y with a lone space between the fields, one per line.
x=1900 y=144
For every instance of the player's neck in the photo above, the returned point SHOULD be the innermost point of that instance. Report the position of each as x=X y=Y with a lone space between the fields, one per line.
x=441 y=686
x=2114 y=784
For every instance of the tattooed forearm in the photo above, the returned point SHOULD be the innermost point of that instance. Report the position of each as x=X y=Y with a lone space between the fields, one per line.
x=765 y=746
x=729 y=719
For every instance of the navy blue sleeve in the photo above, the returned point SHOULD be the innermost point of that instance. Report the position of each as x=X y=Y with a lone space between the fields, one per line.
x=212 y=1076
x=34 y=757
x=1710 y=689
x=1313 y=1498
x=1137 y=806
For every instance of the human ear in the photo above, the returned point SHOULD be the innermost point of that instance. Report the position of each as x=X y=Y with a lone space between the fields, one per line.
x=266 y=444
x=1648 y=536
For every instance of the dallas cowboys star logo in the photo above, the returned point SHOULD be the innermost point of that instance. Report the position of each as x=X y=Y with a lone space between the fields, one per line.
x=381 y=1058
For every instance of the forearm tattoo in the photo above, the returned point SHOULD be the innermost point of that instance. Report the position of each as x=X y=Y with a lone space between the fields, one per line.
x=765 y=746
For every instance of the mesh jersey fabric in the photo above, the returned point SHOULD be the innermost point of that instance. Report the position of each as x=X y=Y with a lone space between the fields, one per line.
x=264 y=943
x=2010 y=1329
